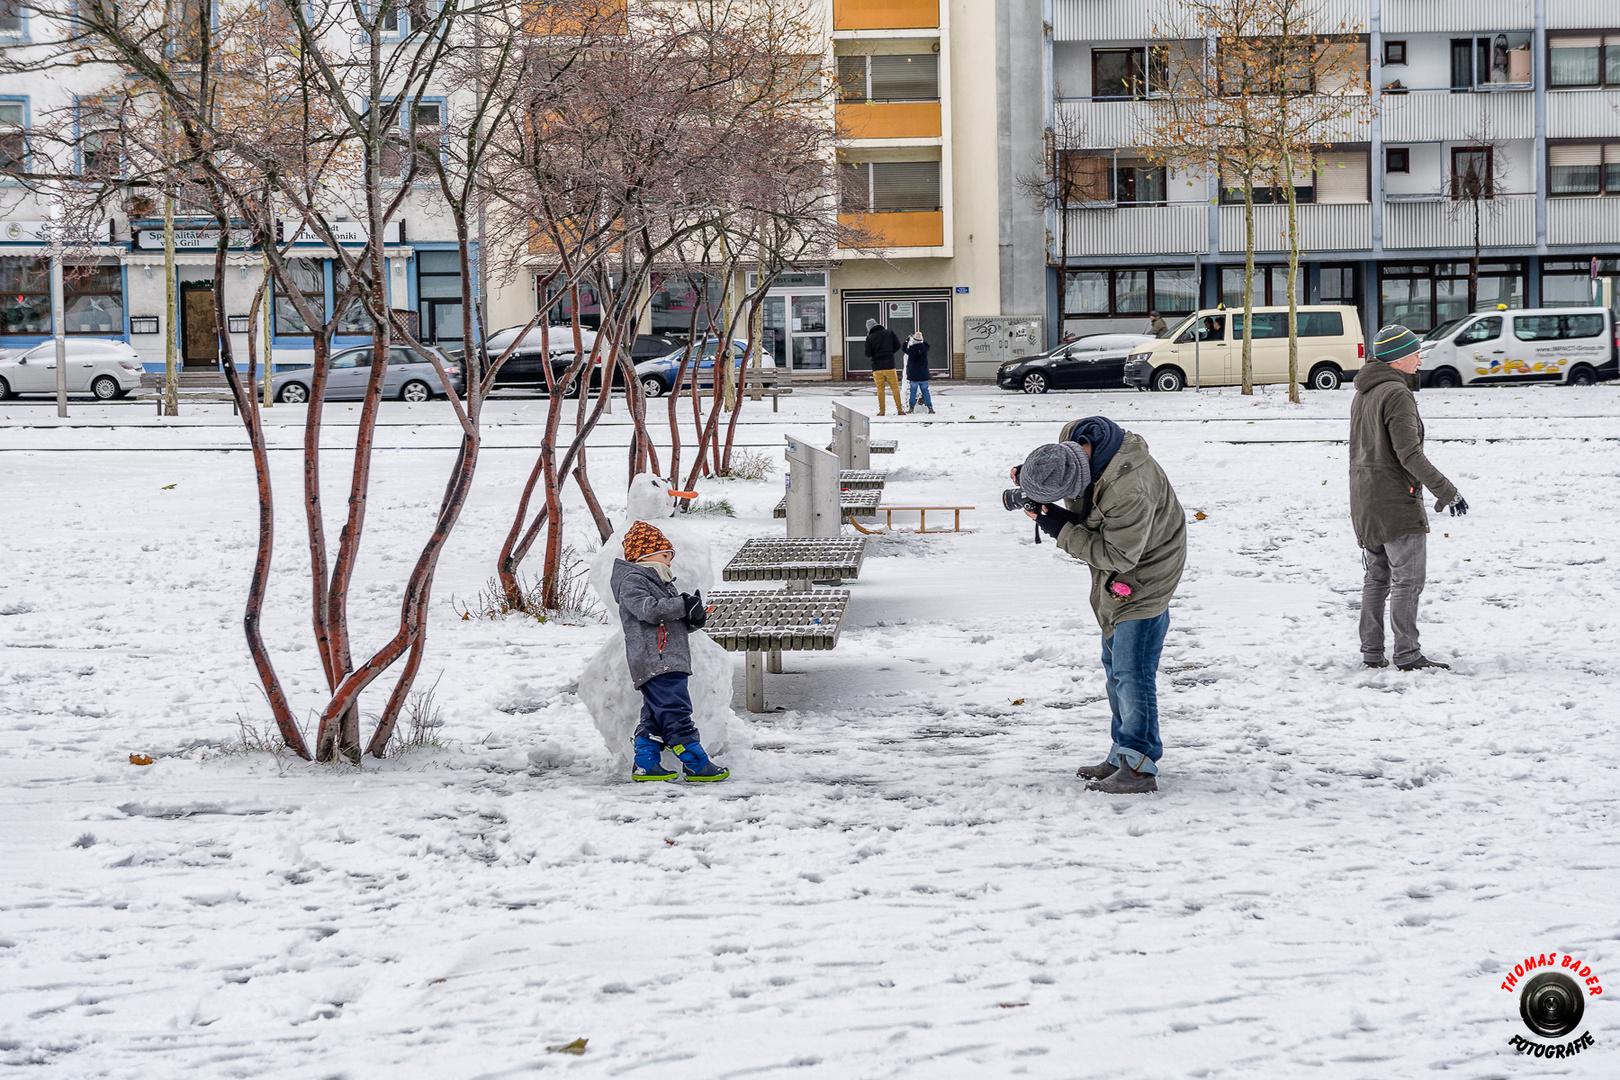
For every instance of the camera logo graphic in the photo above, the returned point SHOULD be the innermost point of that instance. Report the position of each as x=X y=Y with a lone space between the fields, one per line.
x=1552 y=992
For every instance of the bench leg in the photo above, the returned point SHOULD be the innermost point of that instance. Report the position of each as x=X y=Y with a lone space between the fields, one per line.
x=754 y=683
x=773 y=663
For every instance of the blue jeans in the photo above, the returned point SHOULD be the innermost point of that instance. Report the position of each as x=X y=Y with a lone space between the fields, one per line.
x=666 y=710
x=923 y=386
x=1131 y=666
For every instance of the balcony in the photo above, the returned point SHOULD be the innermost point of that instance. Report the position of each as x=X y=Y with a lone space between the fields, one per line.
x=1578 y=114
x=1117 y=123
x=1322 y=227
x=1579 y=15
x=904 y=229
x=1505 y=221
x=1583 y=222
x=1135 y=230
x=1132 y=20
x=1441 y=116
x=885 y=14
x=889 y=120
x=1483 y=16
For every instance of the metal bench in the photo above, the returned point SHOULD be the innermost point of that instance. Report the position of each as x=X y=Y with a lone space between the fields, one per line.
x=797 y=560
x=882 y=446
x=851 y=504
x=193 y=386
x=861 y=479
x=768 y=623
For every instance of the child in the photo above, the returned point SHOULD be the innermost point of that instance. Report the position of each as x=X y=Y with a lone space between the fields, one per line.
x=657 y=618
x=917 y=370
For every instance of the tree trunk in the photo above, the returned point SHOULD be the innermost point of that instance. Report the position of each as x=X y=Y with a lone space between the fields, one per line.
x=1293 y=274
x=1248 y=286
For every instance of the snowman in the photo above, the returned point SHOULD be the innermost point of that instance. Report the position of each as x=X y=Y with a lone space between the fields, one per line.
x=605 y=687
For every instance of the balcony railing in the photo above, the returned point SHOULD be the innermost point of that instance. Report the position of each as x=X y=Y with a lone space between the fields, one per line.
x=1427 y=16
x=1505 y=221
x=905 y=229
x=1583 y=221
x=1442 y=116
x=889 y=120
x=1135 y=230
x=1120 y=123
x=1577 y=114
x=885 y=14
x=1133 y=20
x=1322 y=227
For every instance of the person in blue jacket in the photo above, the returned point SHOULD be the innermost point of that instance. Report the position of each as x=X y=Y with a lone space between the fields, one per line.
x=917 y=370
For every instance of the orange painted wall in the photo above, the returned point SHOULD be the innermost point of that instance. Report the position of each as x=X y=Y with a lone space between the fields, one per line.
x=919 y=228
x=884 y=14
x=890 y=120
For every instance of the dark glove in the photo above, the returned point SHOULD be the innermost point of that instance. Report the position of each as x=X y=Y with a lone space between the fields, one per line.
x=1052 y=518
x=696 y=616
x=1458 y=506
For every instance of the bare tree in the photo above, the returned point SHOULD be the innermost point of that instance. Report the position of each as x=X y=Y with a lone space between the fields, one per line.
x=1474 y=180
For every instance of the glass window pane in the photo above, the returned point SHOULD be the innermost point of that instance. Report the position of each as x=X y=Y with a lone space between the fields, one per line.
x=677 y=298
x=810 y=353
x=430 y=285
x=1574 y=67
x=1406 y=302
x=1500 y=289
x=11 y=112
x=1611 y=170
x=1321 y=324
x=1086 y=293
x=1451 y=298
x=1536 y=327
x=852 y=78
x=1562 y=289
x=809 y=314
x=438 y=262
x=95 y=315
x=1175 y=290
x=1611 y=74
x=1573 y=179
x=1130 y=291
x=1112 y=70
x=773 y=320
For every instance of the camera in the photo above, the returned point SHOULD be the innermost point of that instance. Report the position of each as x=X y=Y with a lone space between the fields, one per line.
x=1015 y=499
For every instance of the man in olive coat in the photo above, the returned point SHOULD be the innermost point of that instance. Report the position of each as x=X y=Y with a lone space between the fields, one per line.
x=1388 y=471
x=1120 y=516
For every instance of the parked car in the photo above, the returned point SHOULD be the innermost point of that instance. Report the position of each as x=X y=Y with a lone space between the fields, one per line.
x=1094 y=362
x=410 y=377
x=1576 y=346
x=1208 y=346
x=525 y=368
x=103 y=367
x=658 y=375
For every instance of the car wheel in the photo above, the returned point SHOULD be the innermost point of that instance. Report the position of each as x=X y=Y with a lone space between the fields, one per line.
x=293 y=393
x=1034 y=383
x=652 y=386
x=572 y=389
x=1168 y=380
x=5 y=390
x=1582 y=375
x=1445 y=379
x=416 y=391
x=1325 y=377
x=105 y=387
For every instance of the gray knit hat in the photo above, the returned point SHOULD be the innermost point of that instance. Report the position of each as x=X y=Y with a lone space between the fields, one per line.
x=1054 y=472
x=871 y=323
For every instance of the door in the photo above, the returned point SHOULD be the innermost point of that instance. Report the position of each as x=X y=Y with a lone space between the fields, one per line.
x=809 y=330
x=901 y=317
x=1479 y=349
x=35 y=372
x=1269 y=345
x=934 y=320
x=1062 y=370
x=1202 y=353
x=350 y=370
x=855 y=316
x=442 y=321
x=199 y=334
x=774 y=319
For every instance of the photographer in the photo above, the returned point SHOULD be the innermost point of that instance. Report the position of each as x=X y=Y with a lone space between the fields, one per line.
x=1120 y=516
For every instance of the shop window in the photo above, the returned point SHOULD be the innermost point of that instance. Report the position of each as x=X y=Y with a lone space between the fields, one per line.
x=1169 y=290
x=1583 y=61
x=676 y=298
x=309 y=282
x=1421 y=296
x=1398 y=159
x=1568 y=282
x=92 y=297
x=1270 y=286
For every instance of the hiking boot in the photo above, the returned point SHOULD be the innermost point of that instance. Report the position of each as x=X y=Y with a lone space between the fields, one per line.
x=650 y=761
x=698 y=767
x=1380 y=662
x=1097 y=772
x=1423 y=662
x=1126 y=781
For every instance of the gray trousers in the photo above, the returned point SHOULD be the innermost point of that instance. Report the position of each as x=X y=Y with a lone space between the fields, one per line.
x=1395 y=573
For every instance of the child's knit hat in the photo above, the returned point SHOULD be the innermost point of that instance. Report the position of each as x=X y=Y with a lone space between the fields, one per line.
x=643 y=540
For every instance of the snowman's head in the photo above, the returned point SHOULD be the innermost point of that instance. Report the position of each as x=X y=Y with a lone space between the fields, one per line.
x=651 y=498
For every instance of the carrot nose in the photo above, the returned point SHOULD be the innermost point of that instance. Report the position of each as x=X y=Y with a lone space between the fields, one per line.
x=683 y=494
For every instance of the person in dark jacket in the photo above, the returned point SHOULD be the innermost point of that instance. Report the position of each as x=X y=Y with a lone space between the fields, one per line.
x=1121 y=517
x=1388 y=471
x=917 y=371
x=657 y=618
x=881 y=345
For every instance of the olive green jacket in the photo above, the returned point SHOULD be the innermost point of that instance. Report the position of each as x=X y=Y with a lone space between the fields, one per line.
x=1388 y=468
x=1136 y=533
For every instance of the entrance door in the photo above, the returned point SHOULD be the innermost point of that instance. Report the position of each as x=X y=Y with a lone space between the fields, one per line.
x=855 y=316
x=934 y=320
x=901 y=317
x=199 y=335
x=774 y=319
x=442 y=320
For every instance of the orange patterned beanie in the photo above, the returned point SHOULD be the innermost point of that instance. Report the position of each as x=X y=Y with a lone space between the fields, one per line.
x=643 y=540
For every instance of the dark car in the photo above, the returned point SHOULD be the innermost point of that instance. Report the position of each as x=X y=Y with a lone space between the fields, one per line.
x=1096 y=362
x=524 y=367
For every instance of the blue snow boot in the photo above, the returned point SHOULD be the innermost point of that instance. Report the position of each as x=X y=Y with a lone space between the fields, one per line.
x=699 y=769
x=650 y=761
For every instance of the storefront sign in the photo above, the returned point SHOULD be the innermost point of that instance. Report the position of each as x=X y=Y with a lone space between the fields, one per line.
x=39 y=232
x=190 y=239
x=344 y=232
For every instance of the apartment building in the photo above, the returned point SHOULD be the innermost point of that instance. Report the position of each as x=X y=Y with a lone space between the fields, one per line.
x=1523 y=95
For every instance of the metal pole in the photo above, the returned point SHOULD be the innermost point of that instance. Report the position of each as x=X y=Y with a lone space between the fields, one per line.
x=59 y=327
x=171 y=375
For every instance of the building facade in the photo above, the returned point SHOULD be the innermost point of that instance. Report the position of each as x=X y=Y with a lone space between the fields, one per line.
x=1523 y=95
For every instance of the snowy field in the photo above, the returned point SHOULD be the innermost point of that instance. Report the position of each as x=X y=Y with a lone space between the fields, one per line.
x=903 y=878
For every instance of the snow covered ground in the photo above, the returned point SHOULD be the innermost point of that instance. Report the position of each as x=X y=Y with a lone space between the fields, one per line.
x=903 y=877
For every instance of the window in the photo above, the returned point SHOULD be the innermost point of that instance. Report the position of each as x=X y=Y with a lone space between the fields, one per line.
x=1274 y=324
x=1487 y=329
x=1339 y=285
x=1394 y=52
x=1421 y=296
x=903 y=77
x=1471 y=172
x=92 y=294
x=1557 y=327
x=1480 y=63
x=1568 y=282
x=1590 y=60
x=25 y=296
x=800 y=77
x=676 y=297
x=1583 y=169
x=1397 y=159
x=1209 y=328
x=352 y=316
x=13 y=19
x=1169 y=290
x=13 y=136
x=309 y=278
x=1129 y=73
x=889 y=186
x=421 y=128
x=1270 y=286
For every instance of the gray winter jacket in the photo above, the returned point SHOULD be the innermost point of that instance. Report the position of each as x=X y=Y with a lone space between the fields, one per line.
x=654 y=618
x=1388 y=468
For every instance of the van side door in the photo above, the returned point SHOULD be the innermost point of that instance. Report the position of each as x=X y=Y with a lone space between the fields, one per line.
x=1479 y=348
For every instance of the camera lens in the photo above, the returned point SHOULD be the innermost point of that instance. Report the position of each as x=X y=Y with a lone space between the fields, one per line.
x=1551 y=1004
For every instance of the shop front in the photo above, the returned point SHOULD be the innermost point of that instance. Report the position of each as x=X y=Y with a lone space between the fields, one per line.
x=795 y=321
x=905 y=311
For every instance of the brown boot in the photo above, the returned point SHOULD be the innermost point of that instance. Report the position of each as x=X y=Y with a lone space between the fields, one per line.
x=1126 y=781
x=1097 y=772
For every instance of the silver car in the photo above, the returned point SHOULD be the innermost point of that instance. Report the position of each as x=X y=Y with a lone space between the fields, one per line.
x=410 y=377
x=101 y=366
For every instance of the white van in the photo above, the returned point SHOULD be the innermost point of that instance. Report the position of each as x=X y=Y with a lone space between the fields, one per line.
x=1207 y=348
x=1577 y=346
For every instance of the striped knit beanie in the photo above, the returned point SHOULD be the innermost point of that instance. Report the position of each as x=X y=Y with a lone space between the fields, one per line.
x=1394 y=342
x=643 y=540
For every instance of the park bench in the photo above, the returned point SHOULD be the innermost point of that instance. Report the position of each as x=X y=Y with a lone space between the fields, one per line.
x=851 y=504
x=194 y=386
x=766 y=623
x=763 y=381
